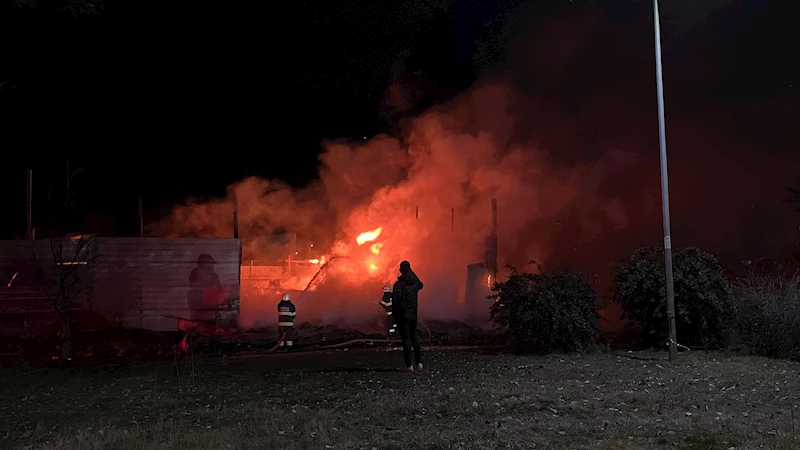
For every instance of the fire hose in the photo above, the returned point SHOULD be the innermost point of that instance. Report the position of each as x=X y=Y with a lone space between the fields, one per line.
x=353 y=341
x=280 y=341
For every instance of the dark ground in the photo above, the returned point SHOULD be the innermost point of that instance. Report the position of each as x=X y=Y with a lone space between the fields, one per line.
x=355 y=400
x=120 y=347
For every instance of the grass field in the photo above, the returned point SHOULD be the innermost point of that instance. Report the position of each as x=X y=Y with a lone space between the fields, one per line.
x=464 y=400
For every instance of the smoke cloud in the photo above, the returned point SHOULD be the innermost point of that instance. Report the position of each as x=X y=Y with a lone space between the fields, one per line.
x=451 y=160
x=574 y=167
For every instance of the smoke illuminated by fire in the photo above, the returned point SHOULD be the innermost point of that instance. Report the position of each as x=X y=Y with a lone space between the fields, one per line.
x=425 y=198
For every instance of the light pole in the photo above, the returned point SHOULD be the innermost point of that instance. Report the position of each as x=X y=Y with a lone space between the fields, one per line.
x=662 y=140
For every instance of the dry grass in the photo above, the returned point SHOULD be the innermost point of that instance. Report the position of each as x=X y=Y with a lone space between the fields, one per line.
x=465 y=400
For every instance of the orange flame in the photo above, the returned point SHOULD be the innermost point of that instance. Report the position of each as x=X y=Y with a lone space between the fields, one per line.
x=369 y=236
x=373 y=267
x=376 y=248
x=313 y=261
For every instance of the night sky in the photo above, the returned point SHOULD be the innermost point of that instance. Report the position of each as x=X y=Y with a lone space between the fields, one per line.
x=169 y=100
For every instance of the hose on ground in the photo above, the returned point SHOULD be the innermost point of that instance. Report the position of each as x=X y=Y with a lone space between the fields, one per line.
x=430 y=335
x=352 y=341
x=387 y=341
x=283 y=335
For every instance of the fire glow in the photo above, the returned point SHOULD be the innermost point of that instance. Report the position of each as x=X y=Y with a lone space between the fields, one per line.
x=368 y=236
x=424 y=197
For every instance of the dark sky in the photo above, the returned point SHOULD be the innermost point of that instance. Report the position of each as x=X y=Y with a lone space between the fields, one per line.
x=166 y=100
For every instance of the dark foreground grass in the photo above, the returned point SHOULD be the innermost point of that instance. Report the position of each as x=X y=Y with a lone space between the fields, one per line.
x=350 y=400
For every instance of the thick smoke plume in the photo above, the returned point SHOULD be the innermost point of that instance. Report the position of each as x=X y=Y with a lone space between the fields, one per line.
x=567 y=143
x=555 y=206
x=453 y=159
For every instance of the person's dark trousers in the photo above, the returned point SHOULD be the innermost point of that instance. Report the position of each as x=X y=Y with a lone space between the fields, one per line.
x=410 y=338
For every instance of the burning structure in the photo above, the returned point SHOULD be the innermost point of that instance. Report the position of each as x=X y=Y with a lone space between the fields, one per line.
x=424 y=197
x=346 y=266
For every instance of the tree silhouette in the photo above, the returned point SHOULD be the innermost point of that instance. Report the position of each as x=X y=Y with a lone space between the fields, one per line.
x=71 y=254
x=75 y=8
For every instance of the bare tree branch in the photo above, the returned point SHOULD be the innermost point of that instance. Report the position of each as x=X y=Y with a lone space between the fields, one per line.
x=71 y=255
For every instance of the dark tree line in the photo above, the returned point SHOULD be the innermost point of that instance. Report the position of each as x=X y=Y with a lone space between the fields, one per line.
x=74 y=8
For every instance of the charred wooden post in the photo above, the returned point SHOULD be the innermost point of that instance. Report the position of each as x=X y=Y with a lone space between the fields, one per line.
x=29 y=228
x=141 y=220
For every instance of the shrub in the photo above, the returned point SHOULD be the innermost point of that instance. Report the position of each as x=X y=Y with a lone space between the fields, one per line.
x=702 y=304
x=767 y=314
x=546 y=313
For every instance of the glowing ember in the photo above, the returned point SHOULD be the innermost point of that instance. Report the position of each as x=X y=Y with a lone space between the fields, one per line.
x=376 y=248
x=313 y=261
x=368 y=236
x=373 y=267
x=489 y=281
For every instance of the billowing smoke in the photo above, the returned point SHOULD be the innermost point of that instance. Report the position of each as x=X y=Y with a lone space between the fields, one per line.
x=428 y=191
x=567 y=144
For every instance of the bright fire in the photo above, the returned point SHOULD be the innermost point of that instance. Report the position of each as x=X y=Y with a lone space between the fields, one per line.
x=358 y=263
x=369 y=236
x=375 y=248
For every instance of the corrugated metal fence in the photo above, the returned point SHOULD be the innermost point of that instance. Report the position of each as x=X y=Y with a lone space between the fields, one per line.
x=131 y=280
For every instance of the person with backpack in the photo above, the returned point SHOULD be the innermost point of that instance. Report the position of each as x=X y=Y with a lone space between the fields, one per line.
x=404 y=308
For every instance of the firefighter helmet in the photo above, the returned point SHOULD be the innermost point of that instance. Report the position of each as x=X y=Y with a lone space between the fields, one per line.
x=387 y=289
x=286 y=297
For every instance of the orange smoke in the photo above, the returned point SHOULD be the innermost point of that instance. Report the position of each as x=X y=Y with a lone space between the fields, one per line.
x=430 y=191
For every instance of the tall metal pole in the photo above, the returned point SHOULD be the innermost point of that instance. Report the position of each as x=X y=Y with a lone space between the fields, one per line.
x=29 y=229
x=662 y=139
x=494 y=217
x=493 y=241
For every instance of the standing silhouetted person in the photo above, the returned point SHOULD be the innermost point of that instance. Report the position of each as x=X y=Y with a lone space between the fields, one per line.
x=404 y=308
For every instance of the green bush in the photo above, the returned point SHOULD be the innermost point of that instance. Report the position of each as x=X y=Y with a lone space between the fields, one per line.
x=702 y=303
x=546 y=313
x=767 y=314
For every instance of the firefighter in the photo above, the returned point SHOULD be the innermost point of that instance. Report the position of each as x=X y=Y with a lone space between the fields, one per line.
x=386 y=303
x=286 y=317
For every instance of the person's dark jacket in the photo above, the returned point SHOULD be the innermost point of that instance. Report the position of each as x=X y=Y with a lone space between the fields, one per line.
x=405 y=296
